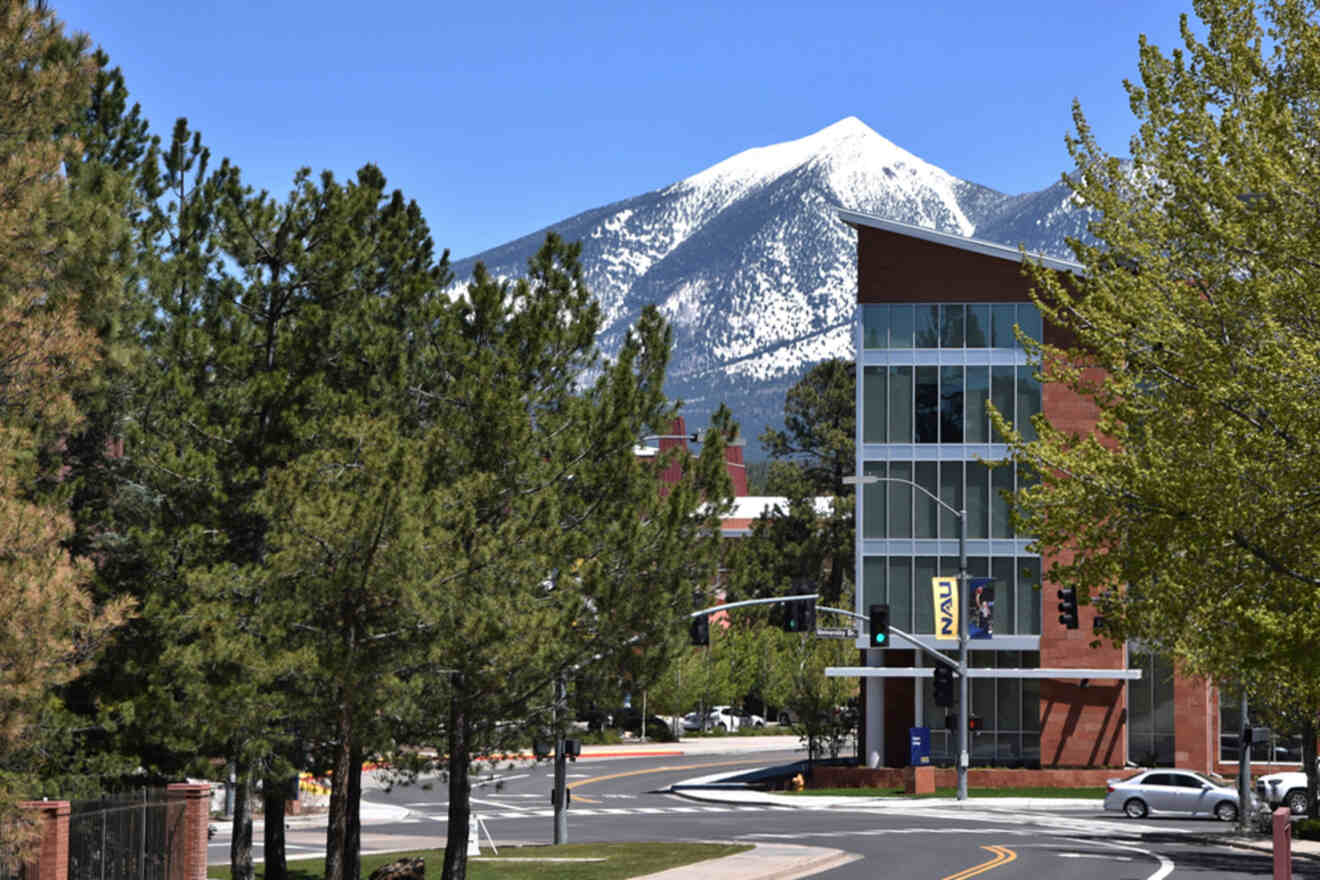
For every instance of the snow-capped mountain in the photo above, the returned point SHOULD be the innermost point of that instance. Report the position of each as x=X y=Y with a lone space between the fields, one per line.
x=754 y=270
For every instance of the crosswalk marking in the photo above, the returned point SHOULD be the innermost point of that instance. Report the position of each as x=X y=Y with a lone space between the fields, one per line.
x=677 y=810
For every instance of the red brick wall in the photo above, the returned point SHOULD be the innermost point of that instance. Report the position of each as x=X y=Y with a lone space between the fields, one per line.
x=51 y=859
x=1194 y=723
x=900 y=694
x=947 y=777
x=188 y=859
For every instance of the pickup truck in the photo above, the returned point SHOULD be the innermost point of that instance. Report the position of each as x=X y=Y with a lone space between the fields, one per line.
x=1288 y=789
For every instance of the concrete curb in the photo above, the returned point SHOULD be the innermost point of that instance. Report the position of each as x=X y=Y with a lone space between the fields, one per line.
x=778 y=861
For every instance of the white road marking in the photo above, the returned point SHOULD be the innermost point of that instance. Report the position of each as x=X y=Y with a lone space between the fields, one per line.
x=1109 y=858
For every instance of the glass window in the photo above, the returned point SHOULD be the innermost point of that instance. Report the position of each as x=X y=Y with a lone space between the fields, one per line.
x=900 y=500
x=875 y=326
x=1002 y=318
x=1028 y=595
x=874 y=589
x=900 y=326
x=1280 y=748
x=1002 y=569
x=1029 y=320
x=1150 y=710
x=978 y=326
x=924 y=569
x=900 y=404
x=951 y=326
x=1001 y=391
x=874 y=412
x=928 y=404
x=978 y=500
x=951 y=404
x=1028 y=401
x=900 y=592
x=1008 y=703
x=951 y=493
x=873 y=502
x=1001 y=488
x=1031 y=694
x=928 y=327
x=976 y=425
x=927 y=514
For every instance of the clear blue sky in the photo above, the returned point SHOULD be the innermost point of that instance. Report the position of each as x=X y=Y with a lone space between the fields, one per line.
x=500 y=118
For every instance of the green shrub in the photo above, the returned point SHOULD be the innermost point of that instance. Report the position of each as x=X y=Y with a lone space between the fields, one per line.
x=1307 y=829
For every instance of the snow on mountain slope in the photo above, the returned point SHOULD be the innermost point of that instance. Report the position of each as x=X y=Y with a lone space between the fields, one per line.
x=753 y=268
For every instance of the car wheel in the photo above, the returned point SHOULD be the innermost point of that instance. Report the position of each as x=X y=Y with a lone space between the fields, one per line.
x=783 y=718
x=1135 y=808
x=722 y=727
x=1296 y=802
x=1226 y=812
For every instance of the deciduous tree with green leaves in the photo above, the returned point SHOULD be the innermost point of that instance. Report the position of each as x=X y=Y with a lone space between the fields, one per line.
x=1188 y=514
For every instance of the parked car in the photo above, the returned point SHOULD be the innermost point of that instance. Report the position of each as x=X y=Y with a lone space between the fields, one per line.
x=747 y=719
x=1286 y=789
x=1173 y=791
x=723 y=718
x=630 y=720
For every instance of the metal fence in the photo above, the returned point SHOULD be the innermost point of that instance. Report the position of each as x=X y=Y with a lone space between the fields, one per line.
x=125 y=837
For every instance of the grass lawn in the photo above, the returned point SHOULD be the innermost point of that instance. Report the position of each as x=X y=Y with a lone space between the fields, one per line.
x=598 y=861
x=1097 y=792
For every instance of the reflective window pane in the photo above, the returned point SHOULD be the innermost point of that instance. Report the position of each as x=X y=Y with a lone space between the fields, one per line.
x=927 y=327
x=978 y=326
x=1002 y=380
x=1028 y=597
x=875 y=326
x=873 y=502
x=925 y=569
x=951 y=493
x=1002 y=319
x=900 y=500
x=875 y=394
x=1002 y=570
x=978 y=500
x=976 y=425
x=928 y=405
x=900 y=404
x=900 y=326
x=874 y=589
x=927 y=513
x=1001 y=486
x=900 y=592
x=1028 y=318
x=1028 y=401
x=951 y=326
x=951 y=404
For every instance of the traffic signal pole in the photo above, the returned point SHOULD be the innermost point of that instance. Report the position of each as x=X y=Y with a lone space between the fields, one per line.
x=559 y=795
x=964 y=710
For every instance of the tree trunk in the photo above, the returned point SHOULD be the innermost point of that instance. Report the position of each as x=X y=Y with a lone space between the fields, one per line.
x=1308 y=762
x=336 y=834
x=240 y=843
x=353 y=841
x=273 y=792
x=460 y=809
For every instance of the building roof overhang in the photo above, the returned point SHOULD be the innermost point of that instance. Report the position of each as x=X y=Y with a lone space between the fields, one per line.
x=961 y=242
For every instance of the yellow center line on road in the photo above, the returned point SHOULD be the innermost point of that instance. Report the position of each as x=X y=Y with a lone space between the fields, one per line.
x=1002 y=856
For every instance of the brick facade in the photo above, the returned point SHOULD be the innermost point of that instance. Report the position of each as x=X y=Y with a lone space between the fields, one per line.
x=188 y=858
x=50 y=859
x=1082 y=725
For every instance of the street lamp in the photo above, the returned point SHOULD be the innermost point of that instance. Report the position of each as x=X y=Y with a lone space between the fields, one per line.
x=963 y=711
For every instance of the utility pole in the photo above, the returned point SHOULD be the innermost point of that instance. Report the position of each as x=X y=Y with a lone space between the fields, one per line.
x=559 y=796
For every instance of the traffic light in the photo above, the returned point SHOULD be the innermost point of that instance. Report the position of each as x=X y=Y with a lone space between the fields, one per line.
x=943 y=690
x=974 y=723
x=799 y=616
x=1068 y=607
x=699 y=629
x=879 y=626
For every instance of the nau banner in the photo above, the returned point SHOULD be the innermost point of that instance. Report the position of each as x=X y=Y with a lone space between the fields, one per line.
x=981 y=608
x=945 y=595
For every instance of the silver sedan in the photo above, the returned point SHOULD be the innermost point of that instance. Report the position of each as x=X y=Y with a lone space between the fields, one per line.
x=1173 y=791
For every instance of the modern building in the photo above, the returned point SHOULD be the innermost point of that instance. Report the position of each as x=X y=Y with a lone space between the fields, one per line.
x=935 y=341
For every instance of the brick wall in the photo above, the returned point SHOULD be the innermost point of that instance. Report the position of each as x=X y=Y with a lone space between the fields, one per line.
x=893 y=778
x=50 y=860
x=188 y=859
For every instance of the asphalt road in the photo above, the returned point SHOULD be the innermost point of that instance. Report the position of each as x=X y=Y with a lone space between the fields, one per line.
x=620 y=799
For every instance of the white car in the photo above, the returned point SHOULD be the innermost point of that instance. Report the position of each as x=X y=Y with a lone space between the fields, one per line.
x=723 y=718
x=1173 y=791
x=1288 y=789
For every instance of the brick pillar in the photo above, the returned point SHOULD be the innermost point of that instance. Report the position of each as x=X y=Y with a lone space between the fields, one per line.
x=1195 y=723
x=188 y=843
x=50 y=860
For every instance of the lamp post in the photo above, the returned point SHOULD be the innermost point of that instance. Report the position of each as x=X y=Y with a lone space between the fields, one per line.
x=964 y=713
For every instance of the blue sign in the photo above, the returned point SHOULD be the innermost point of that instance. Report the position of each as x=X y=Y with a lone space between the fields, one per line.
x=919 y=746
